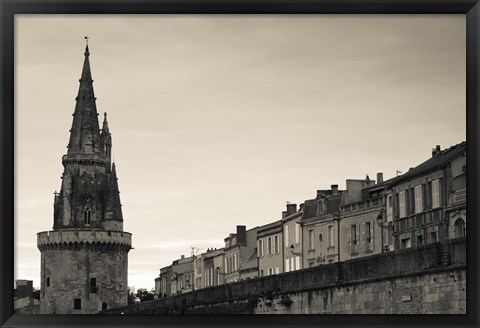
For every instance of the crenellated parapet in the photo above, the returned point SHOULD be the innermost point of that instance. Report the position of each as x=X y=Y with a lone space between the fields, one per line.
x=75 y=239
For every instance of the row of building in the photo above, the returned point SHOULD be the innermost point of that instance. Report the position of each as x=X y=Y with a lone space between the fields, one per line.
x=425 y=205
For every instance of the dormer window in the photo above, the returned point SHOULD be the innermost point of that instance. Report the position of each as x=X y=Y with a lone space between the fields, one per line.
x=87 y=216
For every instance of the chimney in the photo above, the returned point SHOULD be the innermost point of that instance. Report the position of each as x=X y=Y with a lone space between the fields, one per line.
x=284 y=214
x=319 y=193
x=291 y=208
x=242 y=235
x=334 y=189
x=182 y=256
x=436 y=150
x=379 y=177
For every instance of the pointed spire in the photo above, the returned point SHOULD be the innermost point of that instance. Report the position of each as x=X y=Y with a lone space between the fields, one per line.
x=106 y=138
x=115 y=193
x=105 y=130
x=85 y=132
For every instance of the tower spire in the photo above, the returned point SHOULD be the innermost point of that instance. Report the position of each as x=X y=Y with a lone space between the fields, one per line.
x=85 y=132
x=106 y=138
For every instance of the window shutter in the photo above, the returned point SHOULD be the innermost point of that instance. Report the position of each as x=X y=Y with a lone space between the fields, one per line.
x=358 y=234
x=407 y=201
x=424 y=196
x=287 y=265
x=412 y=201
x=372 y=240
x=429 y=195
x=441 y=191
x=396 y=204
x=364 y=234
x=349 y=242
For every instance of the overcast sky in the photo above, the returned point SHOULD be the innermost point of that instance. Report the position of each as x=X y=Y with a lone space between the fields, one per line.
x=217 y=121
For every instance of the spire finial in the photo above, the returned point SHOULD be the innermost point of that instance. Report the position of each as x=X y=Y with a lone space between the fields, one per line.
x=87 y=52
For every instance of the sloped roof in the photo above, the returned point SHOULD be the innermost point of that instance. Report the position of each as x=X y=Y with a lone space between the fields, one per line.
x=433 y=163
x=270 y=228
x=311 y=205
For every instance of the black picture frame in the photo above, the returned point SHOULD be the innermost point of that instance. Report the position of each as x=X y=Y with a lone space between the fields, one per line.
x=9 y=8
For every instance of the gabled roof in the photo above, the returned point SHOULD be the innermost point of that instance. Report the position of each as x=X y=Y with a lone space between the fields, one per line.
x=434 y=163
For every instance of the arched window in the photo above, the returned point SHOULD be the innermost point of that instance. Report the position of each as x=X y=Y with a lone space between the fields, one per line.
x=87 y=217
x=459 y=228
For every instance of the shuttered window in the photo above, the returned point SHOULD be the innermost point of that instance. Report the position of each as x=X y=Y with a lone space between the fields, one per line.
x=402 y=204
x=418 y=199
x=435 y=193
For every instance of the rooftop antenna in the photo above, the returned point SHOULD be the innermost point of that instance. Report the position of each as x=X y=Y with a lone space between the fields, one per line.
x=86 y=39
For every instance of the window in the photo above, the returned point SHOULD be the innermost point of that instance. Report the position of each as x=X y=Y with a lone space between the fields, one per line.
x=276 y=247
x=297 y=262
x=48 y=281
x=269 y=246
x=368 y=232
x=261 y=273
x=297 y=233
x=331 y=238
x=435 y=193
x=354 y=238
x=286 y=236
x=287 y=265
x=406 y=243
x=104 y=306
x=292 y=264
x=93 y=285
x=402 y=204
x=418 y=199
x=77 y=304
x=389 y=201
x=87 y=217
x=260 y=248
x=277 y=270
x=354 y=234
x=320 y=237
x=419 y=240
x=459 y=228
x=311 y=241
x=434 y=236
x=270 y=271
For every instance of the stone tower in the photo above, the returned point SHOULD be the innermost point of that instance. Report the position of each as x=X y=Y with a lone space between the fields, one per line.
x=84 y=259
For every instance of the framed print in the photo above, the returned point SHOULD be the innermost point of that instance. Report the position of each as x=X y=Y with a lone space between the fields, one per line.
x=303 y=159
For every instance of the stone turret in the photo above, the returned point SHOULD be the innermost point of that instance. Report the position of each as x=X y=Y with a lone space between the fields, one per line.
x=84 y=260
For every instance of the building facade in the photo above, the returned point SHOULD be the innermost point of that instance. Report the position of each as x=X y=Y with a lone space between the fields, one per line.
x=320 y=226
x=270 y=249
x=84 y=259
x=430 y=198
x=239 y=251
x=360 y=234
x=182 y=275
x=292 y=238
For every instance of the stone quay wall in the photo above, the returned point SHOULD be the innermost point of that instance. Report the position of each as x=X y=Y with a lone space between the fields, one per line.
x=417 y=281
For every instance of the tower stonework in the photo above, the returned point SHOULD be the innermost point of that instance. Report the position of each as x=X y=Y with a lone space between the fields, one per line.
x=84 y=259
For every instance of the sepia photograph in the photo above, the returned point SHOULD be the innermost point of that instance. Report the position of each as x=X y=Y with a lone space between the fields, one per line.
x=240 y=164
